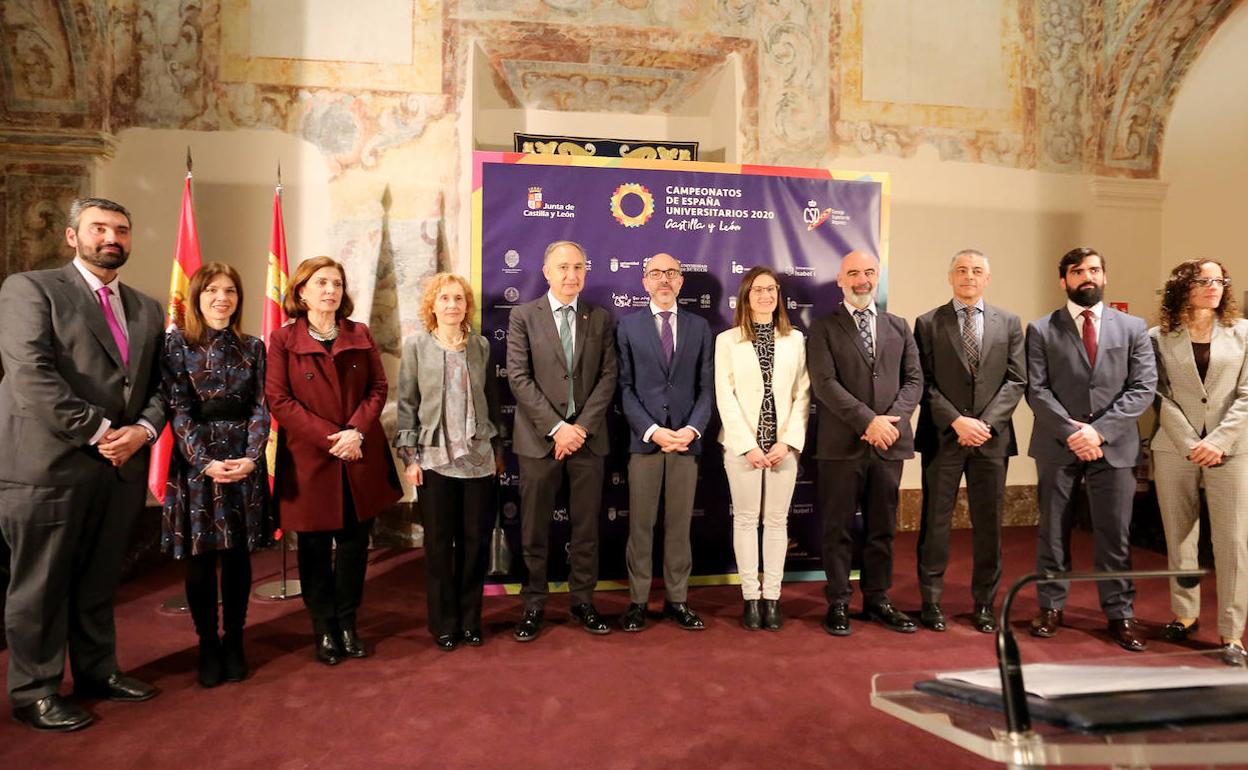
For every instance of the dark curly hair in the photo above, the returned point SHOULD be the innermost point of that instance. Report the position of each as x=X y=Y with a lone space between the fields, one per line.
x=1175 y=311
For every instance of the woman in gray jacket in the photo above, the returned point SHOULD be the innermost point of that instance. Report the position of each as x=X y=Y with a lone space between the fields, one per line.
x=1202 y=394
x=450 y=442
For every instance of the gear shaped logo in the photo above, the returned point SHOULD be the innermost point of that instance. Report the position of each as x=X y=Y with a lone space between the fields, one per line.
x=624 y=193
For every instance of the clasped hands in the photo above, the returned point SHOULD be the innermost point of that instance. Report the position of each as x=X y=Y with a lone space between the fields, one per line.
x=769 y=459
x=230 y=471
x=347 y=444
x=1205 y=455
x=568 y=439
x=1085 y=442
x=674 y=440
x=972 y=432
x=119 y=445
x=882 y=431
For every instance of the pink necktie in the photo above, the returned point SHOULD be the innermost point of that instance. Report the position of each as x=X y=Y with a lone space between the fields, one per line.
x=119 y=335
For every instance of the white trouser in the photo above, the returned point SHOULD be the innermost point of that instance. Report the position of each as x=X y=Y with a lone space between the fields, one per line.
x=769 y=491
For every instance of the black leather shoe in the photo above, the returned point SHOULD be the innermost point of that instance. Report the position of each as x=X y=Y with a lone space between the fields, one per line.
x=52 y=714
x=211 y=670
x=1126 y=632
x=837 y=620
x=932 y=616
x=1175 y=631
x=234 y=661
x=984 y=621
x=751 y=615
x=445 y=642
x=529 y=626
x=472 y=637
x=1045 y=624
x=684 y=617
x=891 y=618
x=591 y=621
x=117 y=687
x=327 y=650
x=772 y=619
x=351 y=645
x=634 y=618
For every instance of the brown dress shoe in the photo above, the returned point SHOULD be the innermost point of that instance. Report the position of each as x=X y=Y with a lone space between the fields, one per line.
x=1045 y=624
x=1126 y=632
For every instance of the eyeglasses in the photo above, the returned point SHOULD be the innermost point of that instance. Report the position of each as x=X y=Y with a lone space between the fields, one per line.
x=764 y=289
x=1205 y=283
x=671 y=273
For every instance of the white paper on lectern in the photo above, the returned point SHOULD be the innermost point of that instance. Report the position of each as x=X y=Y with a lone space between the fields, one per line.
x=1056 y=680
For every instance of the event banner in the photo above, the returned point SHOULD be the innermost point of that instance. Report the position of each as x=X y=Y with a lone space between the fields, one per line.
x=719 y=220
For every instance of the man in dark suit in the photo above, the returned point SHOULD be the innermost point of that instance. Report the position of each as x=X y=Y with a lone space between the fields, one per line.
x=561 y=365
x=865 y=374
x=667 y=387
x=1090 y=375
x=79 y=404
x=974 y=374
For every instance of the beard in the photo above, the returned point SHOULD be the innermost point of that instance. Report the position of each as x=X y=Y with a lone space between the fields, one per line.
x=860 y=298
x=104 y=257
x=1086 y=295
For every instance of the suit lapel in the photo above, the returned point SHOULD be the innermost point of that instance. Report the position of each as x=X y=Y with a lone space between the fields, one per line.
x=653 y=342
x=581 y=333
x=547 y=328
x=992 y=333
x=850 y=328
x=947 y=320
x=136 y=329
x=91 y=313
x=1063 y=321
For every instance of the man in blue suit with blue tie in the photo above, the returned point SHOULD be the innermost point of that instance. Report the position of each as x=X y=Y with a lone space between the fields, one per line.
x=667 y=387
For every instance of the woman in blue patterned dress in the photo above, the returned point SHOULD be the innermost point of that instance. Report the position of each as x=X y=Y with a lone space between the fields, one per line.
x=217 y=498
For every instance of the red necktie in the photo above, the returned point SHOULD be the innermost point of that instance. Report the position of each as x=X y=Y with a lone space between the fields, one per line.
x=1089 y=337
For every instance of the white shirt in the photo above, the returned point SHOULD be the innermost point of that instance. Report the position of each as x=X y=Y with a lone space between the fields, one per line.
x=114 y=300
x=870 y=311
x=1076 y=313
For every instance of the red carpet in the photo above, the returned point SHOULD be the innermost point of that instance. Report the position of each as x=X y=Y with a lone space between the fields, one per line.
x=722 y=698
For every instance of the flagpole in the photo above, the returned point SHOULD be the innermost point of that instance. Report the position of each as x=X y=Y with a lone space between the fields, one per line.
x=273 y=318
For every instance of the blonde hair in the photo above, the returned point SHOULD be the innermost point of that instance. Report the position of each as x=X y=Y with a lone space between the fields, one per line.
x=432 y=287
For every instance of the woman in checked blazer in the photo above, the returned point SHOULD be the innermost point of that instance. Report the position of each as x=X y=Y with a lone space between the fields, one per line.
x=762 y=390
x=1202 y=395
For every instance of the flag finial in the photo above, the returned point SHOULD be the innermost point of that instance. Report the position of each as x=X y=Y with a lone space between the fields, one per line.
x=188 y=160
x=279 y=176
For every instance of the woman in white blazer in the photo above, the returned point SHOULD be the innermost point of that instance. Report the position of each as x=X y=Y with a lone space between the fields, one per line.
x=1202 y=395
x=762 y=391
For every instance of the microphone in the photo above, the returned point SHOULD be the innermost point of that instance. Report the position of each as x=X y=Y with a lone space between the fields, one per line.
x=1013 y=693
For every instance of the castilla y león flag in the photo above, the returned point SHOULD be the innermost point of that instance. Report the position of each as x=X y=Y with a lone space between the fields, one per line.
x=186 y=261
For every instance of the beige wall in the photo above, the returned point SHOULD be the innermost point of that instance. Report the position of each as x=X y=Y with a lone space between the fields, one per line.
x=234 y=176
x=1205 y=157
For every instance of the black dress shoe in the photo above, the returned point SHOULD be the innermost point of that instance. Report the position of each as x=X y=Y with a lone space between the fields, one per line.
x=117 y=687
x=327 y=650
x=684 y=617
x=52 y=714
x=351 y=645
x=529 y=627
x=1126 y=632
x=591 y=621
x=472 y=637
x=772 y=619
x=234 y=661
x=751 y=615
x=634 y=618
x=984 y=621
x=211 y=670
x=837 y=620
x=891 y=618
x=1045 y=624
x=1175 y=631
x=932 y=616
x=445 y=642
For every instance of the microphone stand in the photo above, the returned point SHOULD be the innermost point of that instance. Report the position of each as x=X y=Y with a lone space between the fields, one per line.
x=1013 y=694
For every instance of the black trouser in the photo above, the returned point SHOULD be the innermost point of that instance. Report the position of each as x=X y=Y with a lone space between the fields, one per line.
x=842 y=487
x=985 y=498
x=201 y=590
x=457 y=516
x=332 y=579
x=540 y=481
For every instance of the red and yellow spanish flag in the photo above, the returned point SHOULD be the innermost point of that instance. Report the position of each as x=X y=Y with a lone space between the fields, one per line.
x=186 y=261
x=274 y=314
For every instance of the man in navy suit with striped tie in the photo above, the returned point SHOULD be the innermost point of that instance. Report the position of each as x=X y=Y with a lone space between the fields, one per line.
x=667 y=387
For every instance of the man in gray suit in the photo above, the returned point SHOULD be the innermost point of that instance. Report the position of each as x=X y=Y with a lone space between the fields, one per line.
x=866 y=378
x=561 y=365
x=1090 y=375
x=79 y=404
x=974 y=375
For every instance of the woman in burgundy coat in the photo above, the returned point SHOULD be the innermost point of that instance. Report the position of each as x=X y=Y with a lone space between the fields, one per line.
x=334 y=472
